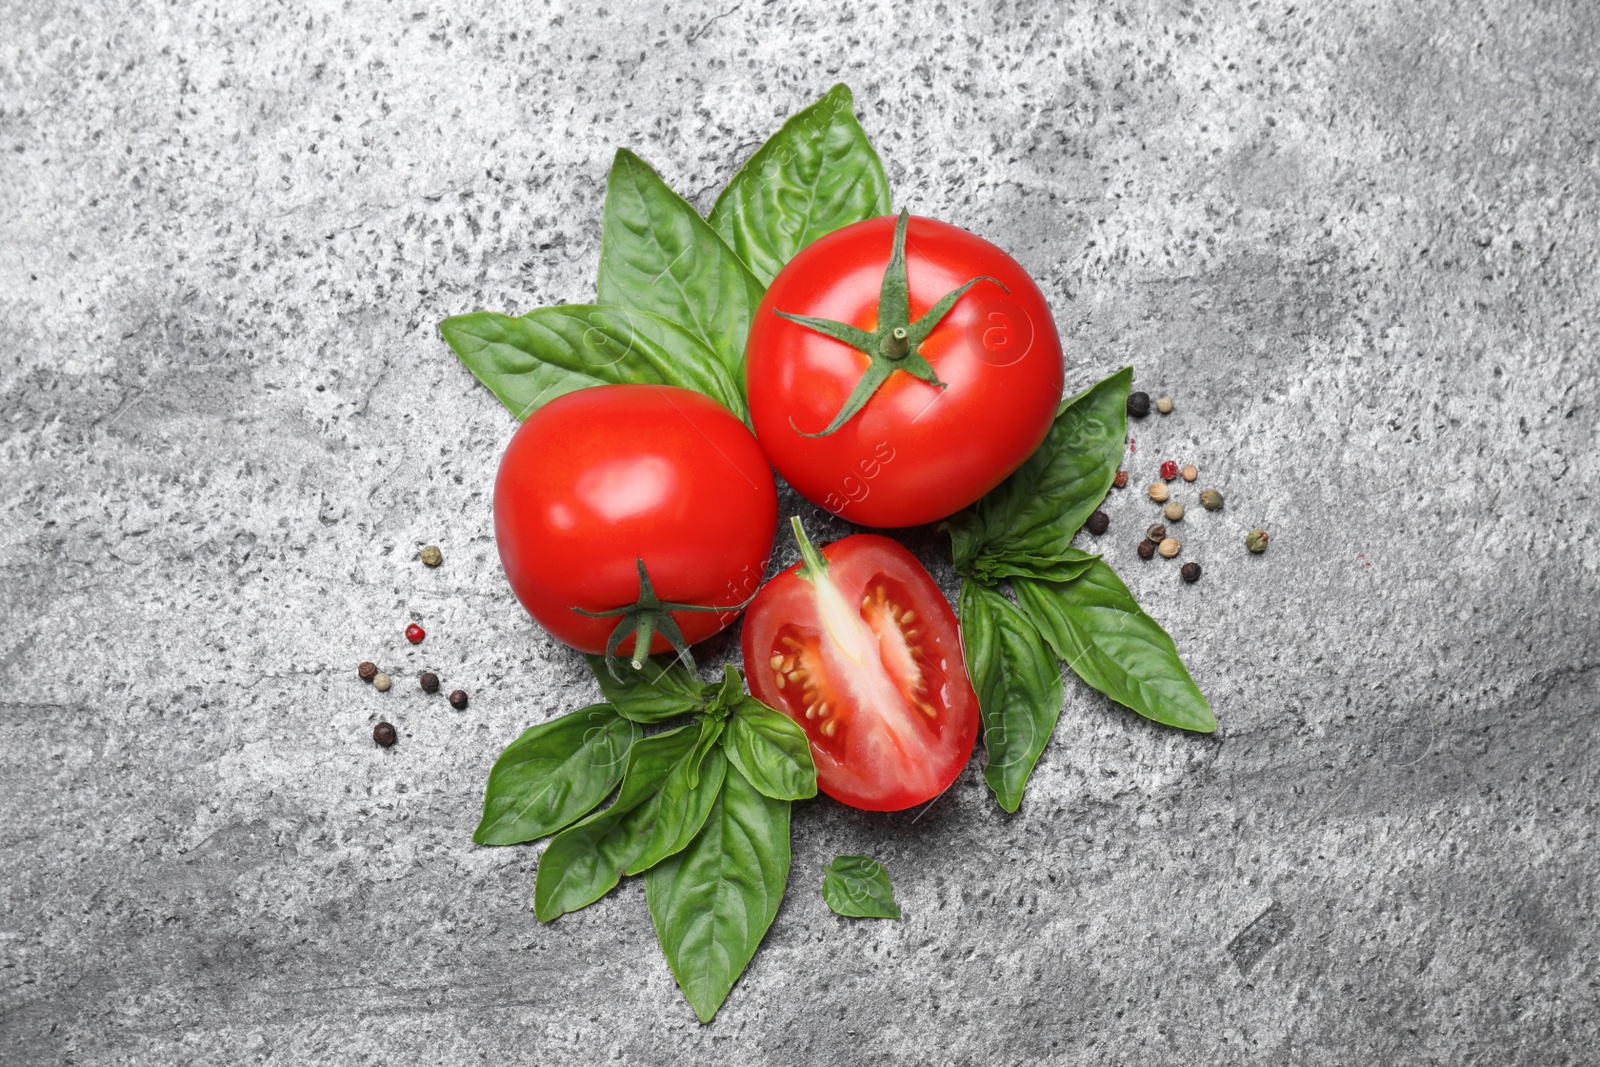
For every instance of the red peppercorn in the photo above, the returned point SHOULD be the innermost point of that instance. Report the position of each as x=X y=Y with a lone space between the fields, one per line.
x=1169 y=469
x=1120 y=480
x=415 y=634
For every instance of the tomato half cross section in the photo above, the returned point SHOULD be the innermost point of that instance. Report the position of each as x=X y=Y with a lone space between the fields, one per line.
x=898 y=369
x=858 y=645
x=646 y=508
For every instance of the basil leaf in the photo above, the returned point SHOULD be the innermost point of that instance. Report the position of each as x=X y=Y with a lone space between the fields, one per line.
x=710 y=731
x=816 y=174
x=1037 y=510
x=554 y=773
x=1018 y=683
x=725 y=695
x=1096 y=627
x=530 y=360
x=771 y=751
x=658 y=255
x=663 y=689
x=858 y=887
x=713 y=902
x=1063 y=567
x=656 y=813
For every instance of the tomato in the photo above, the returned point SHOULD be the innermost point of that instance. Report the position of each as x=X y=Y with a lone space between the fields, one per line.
x=860 y=647
x=602 y=478
x=915 y=452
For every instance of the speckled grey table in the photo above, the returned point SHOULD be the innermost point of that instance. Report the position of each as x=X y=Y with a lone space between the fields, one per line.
x=1359 y=243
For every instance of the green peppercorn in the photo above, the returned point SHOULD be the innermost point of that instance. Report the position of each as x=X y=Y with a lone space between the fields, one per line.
x=1147 y=548
x=1256 y=541
x=1211 y=500
x=1191 y=572
x=1138 y=405
x=1156 y=532
x=432 y=556
x=1098 y=523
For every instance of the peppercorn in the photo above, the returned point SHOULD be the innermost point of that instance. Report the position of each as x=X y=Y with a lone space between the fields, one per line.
x=367 y=671
x=1098 y=522
x=380 y=682
x=1191 y=572
x=1138 y=405
x=1156 y=532
x=1190 y=472
x=384 y=734
x=1147 y=548
x=1164 y=405
x=1256 y=540
x=1158 y=491
x=415 y=634
x=1169 y=548
x=429 y=682
x=432 y=556
x=1169 y=469
x=1211 y=500
x=1120 y=480
x=458 y=700
x=1173 y=511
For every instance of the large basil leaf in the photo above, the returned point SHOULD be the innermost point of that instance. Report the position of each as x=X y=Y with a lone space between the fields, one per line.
x=1037 y=510
x=1097 y=628
x=1018 y=683
x=858 y=887
x=1063 y=567
x=713 y=902
x=529 y=360
x=658 y=810
x=657 y=254
x=554 y=773
x=771 y=751
x=663 y=689
x=816 y=174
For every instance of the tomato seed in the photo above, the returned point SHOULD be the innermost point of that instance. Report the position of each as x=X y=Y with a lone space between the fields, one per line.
x=777 y=661
x=777 y=677
x=829 y=727
x=415 y=634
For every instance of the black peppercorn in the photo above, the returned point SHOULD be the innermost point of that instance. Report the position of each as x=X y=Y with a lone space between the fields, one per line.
x=1098 y=523
x=1156 y=533
x=1138 y=405
x=458 y=700
x=429 y=682
x=1147 y=548
x=384 y=734
x=367 y=671
x=1191 y=572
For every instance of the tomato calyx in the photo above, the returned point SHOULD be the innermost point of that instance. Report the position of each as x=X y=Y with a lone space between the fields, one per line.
x=895 y=343
x=645 y=618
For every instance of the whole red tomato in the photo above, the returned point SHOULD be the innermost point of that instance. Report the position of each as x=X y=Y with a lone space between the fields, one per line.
x=959 y=400
x=602 y=478
x=858 y=645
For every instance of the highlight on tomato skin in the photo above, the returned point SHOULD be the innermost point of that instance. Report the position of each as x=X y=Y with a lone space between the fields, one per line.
x=858 y=645
x=604 y=480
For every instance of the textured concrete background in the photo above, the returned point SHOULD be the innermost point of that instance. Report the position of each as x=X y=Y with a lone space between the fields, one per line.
x=1358 y=242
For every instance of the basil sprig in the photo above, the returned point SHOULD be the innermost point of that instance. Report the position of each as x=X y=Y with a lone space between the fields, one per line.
x=858 y=887
x=714 y=788
x=1070 y=605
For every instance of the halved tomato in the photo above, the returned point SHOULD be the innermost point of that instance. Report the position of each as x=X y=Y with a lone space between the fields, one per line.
x=858 y=645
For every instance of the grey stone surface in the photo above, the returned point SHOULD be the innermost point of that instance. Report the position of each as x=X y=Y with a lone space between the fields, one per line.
x=1358 y=242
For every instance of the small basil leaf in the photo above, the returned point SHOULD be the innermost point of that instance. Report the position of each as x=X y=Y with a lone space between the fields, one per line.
x=1096 y=627
x=530 y=360
x=710 y=731
x=816 y=174
x=1018 y=683
x=554 y=773
x=663 y=689
x=727 y=693
x=771 y=751
x=858 y=887
x=1036 y=511
x=657 y=254
x=713 y=902
x=656 y=813
x=1063 y=567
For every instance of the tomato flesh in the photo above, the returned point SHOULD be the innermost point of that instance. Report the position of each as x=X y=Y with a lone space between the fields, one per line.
x=605 y=476
x=867 y=659
x=915 y=453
